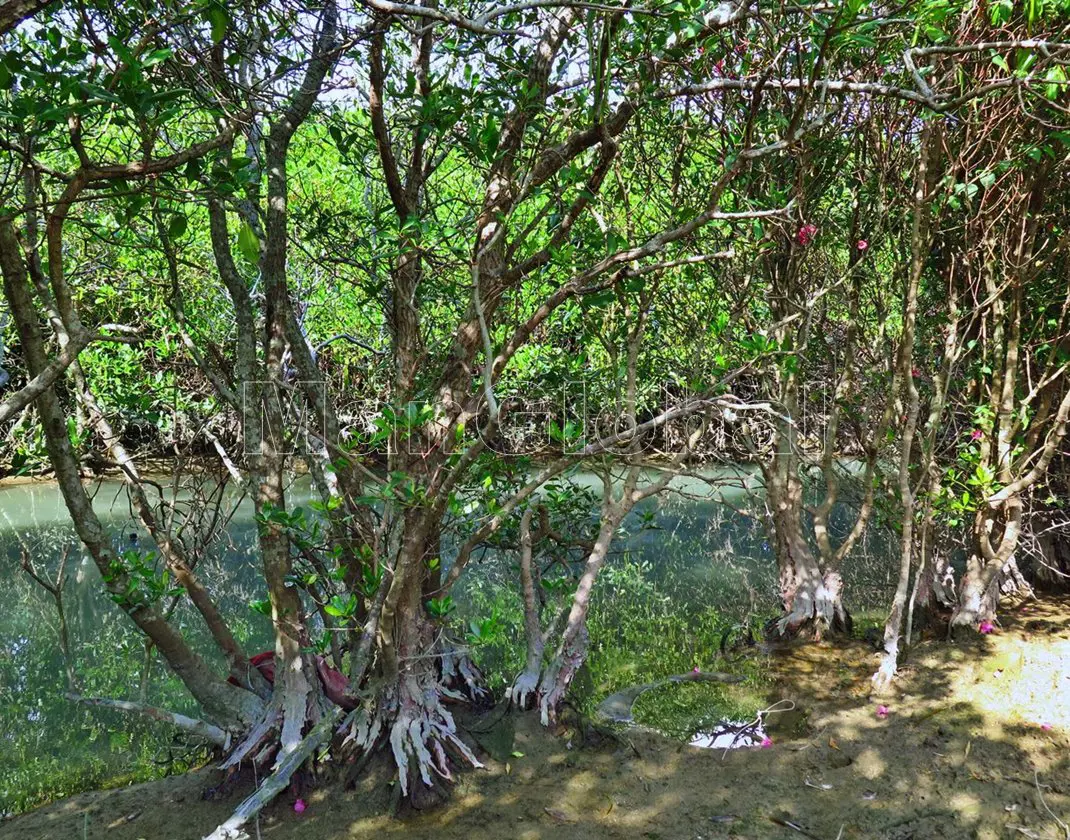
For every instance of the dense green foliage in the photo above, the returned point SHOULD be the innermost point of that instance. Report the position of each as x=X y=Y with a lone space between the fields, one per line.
x=443 y=259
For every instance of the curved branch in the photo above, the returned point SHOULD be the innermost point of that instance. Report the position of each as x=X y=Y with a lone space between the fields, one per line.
x=198 y=728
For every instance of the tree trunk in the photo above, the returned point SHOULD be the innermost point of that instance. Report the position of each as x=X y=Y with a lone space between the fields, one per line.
x=812 y=598
x=933 y=593
x=1011 y=581
x=572 y=650
x=525 y=685
x=408 y=707
x=226 y=705
x=979 y=590
x=978 y=595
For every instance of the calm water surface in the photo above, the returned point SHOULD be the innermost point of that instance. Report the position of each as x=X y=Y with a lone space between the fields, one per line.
x=701 y=552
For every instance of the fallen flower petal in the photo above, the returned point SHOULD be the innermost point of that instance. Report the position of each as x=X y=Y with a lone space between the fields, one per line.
x=986 y=627
x=299 y=806
x=767 y=742
x=882 y=712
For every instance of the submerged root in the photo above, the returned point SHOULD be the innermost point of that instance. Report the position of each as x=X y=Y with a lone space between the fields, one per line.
x=423 y=740
x=410 y=714
x=460 y=675
x=273 y=785
x=815 y=622
x=423 y=736
x=256 y=739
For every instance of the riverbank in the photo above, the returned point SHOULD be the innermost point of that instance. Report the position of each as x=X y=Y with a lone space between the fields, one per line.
x=976 y=743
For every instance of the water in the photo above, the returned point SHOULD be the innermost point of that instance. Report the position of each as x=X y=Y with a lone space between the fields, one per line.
x=696 y=546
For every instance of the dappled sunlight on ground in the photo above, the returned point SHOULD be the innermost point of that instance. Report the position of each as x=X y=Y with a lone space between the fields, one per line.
x=961 y=754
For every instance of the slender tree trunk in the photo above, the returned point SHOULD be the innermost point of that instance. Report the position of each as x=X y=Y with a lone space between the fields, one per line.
x=296 y=688
x=526 y=684
x=227 y=705
x=911 y=400
x=572 y=650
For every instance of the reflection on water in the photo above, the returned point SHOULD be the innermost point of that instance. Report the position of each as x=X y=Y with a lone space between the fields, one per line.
x=706 y=549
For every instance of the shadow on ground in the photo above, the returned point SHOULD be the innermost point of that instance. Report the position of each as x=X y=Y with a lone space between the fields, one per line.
x=976 y=745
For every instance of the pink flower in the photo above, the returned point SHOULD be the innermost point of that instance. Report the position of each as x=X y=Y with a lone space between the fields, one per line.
x=986 y=627
x=299 y=806
x=767 y=742
x=1046 y=727
x=861 y=245
x=915 y=372
x=882 y=712
x=976 y=434
x=805 y=234
x=695 y=670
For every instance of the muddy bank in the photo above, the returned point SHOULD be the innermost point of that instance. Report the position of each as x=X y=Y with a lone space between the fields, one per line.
x=976 y=744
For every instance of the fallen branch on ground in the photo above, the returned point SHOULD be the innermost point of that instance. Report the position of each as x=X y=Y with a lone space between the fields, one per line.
x=199 y=728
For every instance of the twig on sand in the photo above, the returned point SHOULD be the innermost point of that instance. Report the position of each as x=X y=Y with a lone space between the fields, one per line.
x=778 y=706
x=794 y=827
x=1040 y=793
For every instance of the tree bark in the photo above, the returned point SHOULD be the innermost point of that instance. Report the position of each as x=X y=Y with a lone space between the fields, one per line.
x=919 y=249
x=978 y=595
x=812 y=598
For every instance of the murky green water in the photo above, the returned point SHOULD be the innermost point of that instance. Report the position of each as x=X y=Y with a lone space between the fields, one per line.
x=703 y=557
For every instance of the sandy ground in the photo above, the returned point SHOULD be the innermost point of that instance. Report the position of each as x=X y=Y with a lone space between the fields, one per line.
x=976 y=745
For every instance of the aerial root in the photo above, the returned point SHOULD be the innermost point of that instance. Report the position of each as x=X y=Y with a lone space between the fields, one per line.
x=523 y=691
x=423 y=738
x=197 y=728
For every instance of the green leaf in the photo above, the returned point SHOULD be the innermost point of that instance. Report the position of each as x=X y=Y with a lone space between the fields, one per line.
x=177 y=226
x=218 y=20
x=262 y=606
x=156 y=56
x=1001 y=11
x=341 y=607
x=1055 y=76
x=249 y=244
